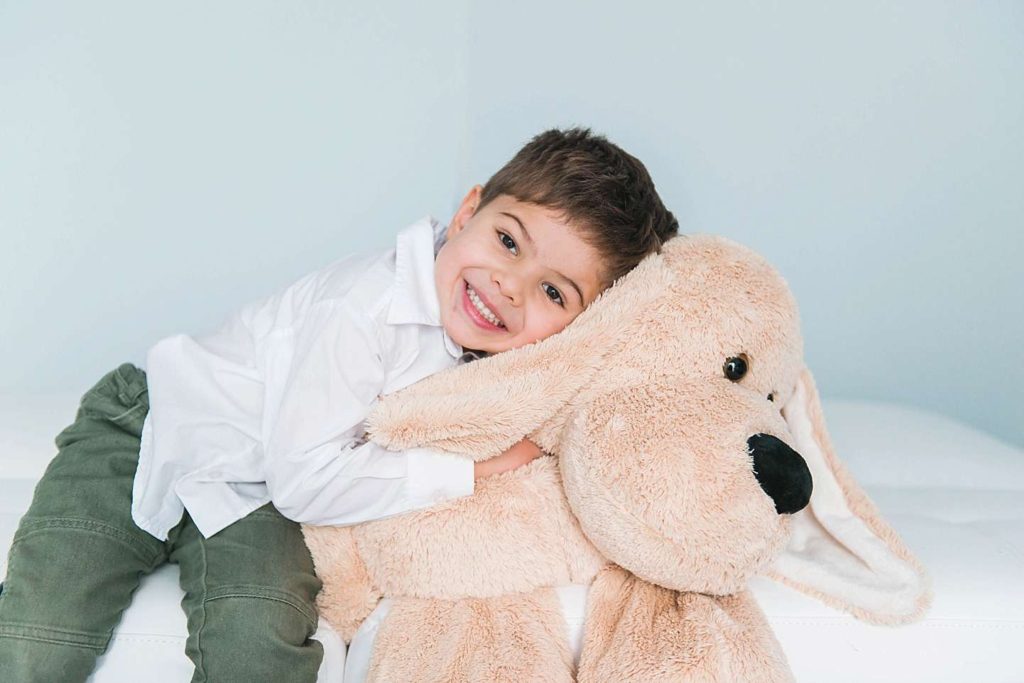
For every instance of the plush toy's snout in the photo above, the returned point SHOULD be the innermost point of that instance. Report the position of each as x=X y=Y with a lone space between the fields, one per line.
x=781 y=472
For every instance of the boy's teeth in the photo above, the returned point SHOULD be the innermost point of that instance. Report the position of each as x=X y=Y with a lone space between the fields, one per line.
x=479 y=305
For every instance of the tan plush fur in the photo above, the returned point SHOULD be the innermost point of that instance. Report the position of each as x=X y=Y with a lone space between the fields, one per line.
x=650 y=494
x=637 y=631
x=515 y=637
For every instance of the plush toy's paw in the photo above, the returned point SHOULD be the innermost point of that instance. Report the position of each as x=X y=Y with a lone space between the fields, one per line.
x=508 y=639
x=348 y=596
x=640 y=632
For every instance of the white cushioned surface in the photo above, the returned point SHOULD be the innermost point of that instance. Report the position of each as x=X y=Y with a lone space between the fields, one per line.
x=954 y=495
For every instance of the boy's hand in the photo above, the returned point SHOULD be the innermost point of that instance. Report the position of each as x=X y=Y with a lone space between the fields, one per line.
x=518 y=455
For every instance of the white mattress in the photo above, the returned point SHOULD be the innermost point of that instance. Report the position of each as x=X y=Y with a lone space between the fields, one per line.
x=955 y=495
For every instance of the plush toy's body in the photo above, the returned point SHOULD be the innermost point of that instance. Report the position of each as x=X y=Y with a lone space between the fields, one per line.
x=685 y=432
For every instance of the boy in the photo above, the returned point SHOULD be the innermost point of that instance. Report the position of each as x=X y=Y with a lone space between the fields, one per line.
x=212 y=459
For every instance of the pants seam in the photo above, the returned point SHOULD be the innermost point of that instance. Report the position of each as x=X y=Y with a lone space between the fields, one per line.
x=294 y=604
x=32 y=526
x=200 y=666
x=135 y=408
x=52 y=635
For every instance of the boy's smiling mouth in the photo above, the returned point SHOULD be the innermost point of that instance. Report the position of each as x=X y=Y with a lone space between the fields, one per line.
x=478 y=311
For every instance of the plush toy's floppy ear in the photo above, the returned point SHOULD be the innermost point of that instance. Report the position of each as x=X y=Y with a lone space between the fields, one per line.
x=481 y=408
x=841 y=550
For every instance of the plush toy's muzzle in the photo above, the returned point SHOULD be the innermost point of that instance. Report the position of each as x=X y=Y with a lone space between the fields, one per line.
x=682 y=508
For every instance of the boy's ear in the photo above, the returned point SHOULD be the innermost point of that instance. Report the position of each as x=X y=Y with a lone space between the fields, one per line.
x=470 y=203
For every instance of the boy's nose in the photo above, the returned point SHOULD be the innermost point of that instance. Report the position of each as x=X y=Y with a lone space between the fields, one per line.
x=509 y=288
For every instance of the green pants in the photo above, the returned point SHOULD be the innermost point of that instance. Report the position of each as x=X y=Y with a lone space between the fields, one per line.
x=78 y=556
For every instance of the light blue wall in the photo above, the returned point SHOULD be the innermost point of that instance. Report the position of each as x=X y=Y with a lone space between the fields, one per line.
x=162 y=163
x=160 y=166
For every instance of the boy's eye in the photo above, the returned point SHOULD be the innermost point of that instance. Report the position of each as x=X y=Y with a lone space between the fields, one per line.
x=559 y=300
x=511 y=244
x=502 y=236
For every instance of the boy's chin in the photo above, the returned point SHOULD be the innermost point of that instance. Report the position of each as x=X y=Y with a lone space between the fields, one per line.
x=482 y=346
x=469 y=342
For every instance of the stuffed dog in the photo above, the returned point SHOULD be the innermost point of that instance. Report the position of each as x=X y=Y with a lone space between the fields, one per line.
x=688 y=452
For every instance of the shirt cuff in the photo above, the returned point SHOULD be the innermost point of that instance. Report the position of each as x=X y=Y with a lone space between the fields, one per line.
x=435 y=476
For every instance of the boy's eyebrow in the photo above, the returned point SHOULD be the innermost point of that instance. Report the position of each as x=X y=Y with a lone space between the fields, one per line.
x=533 y=245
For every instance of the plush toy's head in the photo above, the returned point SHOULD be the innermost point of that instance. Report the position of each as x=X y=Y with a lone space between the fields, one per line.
x=690 y=435
x=684 y=473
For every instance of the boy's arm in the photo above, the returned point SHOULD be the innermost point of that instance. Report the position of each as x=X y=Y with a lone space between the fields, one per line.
x=340 y=484
x=518 y=455
x=316 y=470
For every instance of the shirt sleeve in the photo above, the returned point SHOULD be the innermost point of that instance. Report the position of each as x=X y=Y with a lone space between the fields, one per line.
x=318 y=468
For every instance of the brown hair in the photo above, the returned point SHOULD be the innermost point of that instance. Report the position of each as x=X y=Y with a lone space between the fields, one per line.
x=599 y=189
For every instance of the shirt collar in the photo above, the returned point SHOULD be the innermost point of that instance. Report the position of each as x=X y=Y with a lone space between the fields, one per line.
x=414 y=299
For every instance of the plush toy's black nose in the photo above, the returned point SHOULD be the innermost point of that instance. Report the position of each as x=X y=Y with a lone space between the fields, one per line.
x=781 y=472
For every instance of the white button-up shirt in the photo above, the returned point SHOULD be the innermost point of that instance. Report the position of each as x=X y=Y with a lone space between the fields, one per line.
x=270 y=407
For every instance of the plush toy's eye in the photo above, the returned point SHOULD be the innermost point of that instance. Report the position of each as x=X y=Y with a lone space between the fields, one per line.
x=736 y=367
x=771 y=397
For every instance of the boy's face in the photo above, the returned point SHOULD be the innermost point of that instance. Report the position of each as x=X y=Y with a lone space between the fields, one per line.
x=521 y=262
